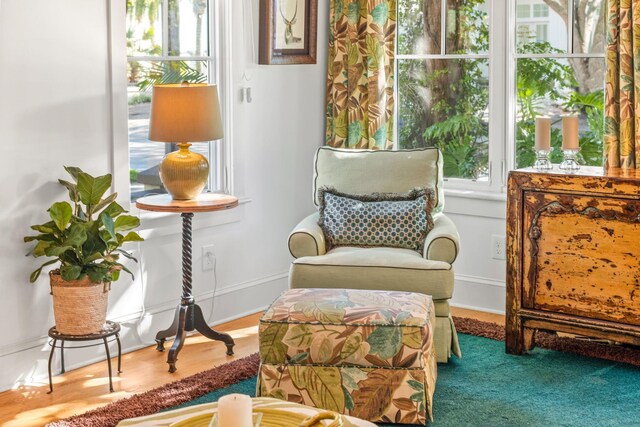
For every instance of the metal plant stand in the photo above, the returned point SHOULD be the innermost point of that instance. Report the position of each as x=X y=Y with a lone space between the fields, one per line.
x=111 y=329
x=188 y=315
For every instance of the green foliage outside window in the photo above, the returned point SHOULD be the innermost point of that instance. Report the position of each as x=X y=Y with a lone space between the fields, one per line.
x=444 y=102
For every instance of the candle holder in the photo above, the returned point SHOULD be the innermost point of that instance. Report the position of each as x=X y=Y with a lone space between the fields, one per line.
x=569 y=163
x=542 y=159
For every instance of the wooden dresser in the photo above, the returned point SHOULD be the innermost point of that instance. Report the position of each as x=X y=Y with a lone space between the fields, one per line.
x=573 y=255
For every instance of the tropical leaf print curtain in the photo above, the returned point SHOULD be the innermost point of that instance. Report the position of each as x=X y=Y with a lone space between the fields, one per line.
x=622 y=94
x=360 y=98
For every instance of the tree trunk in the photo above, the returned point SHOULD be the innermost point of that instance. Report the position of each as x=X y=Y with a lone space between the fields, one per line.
x=199 y=8
x=174 y=28
x=442 y=73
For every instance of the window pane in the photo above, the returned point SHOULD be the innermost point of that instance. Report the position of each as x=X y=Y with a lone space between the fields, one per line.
x=419 y=26
x=540 y=11
x=523 y=11
x=541 y=33
x=445 y=103
x=144 y=28
x=144 y=155
x=467 y=26
x=553 y=87
x=527 y=36
x=589 y=32
x=188 y=28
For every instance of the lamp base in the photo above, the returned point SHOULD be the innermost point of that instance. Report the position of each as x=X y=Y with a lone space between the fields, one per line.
x=184 y=173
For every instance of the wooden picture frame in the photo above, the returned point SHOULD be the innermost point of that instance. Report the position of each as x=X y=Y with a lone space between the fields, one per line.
x=288 y=31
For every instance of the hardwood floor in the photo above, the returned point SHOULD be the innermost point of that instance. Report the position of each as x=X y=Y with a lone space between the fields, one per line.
x=86 y=388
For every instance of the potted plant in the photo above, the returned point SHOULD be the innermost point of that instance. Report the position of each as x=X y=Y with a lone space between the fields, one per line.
x=85 y=239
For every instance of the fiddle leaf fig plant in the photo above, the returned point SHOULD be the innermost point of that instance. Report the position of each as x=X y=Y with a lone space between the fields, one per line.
x=85 y=236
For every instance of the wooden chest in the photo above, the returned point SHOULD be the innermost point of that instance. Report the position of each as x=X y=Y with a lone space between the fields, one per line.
x=573 y=255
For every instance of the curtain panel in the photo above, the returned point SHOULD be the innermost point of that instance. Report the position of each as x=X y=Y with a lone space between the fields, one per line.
x=622 y=94
x=360 y=99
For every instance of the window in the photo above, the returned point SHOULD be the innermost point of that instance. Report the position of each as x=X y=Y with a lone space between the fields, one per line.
x=540 y=10
x=452 y=63
x=561 y=71
x=443 y=82
x=523 y=11
x=168 y=41
x=541 y=33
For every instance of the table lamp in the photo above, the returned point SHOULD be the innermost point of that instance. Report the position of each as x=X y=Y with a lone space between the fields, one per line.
x=182 y=114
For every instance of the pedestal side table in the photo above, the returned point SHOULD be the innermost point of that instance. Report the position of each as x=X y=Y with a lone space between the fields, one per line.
x=189 y=315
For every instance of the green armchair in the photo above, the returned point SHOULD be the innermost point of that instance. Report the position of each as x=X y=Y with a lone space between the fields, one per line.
x=429 y=272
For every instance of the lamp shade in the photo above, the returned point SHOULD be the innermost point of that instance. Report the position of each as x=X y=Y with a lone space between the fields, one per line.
x=187 y=112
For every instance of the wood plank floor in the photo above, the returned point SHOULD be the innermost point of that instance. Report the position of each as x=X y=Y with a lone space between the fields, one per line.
x=86 y=388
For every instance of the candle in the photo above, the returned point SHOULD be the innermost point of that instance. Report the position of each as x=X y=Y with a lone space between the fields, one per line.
x=570 y=132
x=234 y=410
x=543 y=133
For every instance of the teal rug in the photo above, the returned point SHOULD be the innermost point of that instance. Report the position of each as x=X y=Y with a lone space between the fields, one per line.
x=545 y=388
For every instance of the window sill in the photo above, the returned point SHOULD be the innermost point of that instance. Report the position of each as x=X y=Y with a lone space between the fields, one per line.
x=474 y=203
x=492 y=196
x=156 y=224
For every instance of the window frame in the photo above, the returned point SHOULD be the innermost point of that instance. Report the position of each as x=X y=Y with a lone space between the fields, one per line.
x=496 y=172
x=514 y=56
x=503 y=58
x=220 y=41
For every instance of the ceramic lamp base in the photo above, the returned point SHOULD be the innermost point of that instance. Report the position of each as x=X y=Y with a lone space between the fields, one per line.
x=184 y=173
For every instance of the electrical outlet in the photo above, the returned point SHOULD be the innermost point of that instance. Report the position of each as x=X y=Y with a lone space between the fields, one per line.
x=498 y=247
x=208 y=258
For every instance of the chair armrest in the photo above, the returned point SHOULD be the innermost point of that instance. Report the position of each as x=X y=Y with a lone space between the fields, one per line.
x=443 y=241
x=307 y=238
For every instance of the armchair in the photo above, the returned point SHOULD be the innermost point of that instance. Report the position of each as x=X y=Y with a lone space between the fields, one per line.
x=363 y=172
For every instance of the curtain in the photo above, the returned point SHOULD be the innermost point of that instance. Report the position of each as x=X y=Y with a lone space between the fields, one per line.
x=360 y=100
x=622 y=94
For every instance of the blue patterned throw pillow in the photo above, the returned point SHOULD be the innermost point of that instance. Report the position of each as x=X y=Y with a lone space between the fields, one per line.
x=378 y=219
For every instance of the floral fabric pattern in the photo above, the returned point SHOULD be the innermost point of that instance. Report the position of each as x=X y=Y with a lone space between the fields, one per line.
x=622 y=85
x=360 y=77
x=369 y=354
x=380 y=219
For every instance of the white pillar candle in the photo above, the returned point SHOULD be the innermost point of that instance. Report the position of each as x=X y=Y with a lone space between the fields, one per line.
x=235 y=410
x=569 y=132
x=543 y=133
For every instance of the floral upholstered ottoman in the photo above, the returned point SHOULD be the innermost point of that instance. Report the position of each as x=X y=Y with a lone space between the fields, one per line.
x=368 y=354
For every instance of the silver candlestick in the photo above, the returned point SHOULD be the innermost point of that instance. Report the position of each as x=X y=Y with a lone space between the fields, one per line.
x=542 y=158
x=570 y=163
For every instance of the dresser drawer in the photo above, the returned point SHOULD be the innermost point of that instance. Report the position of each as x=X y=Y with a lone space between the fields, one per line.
x=581 y=256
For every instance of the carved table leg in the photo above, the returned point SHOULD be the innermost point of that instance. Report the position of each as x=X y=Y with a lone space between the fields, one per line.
x=188 y=315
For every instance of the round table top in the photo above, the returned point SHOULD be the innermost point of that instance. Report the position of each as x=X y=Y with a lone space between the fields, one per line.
x=205 y=202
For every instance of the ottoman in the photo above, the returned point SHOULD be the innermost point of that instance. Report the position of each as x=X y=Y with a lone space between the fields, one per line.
x=368 y=354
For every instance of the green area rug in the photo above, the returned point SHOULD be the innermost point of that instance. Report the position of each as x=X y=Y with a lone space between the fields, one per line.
x=545 y=388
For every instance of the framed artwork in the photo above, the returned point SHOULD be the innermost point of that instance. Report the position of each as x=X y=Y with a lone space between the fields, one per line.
x=288 y=31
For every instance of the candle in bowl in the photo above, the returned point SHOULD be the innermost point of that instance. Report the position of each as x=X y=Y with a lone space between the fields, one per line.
x=543 y=133
x=570 y=133
x=235 y=410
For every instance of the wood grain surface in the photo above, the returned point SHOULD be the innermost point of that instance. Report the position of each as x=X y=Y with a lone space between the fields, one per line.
x=572 y=255
x=205 y=202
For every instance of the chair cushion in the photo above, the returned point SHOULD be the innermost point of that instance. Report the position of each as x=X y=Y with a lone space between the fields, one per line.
x=381 y=171
x=378 y=219
x=374 y=268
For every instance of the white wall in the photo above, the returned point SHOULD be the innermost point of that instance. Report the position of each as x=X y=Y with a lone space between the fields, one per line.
x=55 y=110
x=480 y=279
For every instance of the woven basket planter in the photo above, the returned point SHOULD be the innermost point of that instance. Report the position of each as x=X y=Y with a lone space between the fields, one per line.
x=79 y=306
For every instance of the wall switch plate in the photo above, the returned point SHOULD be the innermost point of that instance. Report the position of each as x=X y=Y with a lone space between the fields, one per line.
x=208 y=258
x=498 y=247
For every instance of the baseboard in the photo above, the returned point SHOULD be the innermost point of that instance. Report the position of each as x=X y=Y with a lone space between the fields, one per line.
x=25 y=363
x=479 y=293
